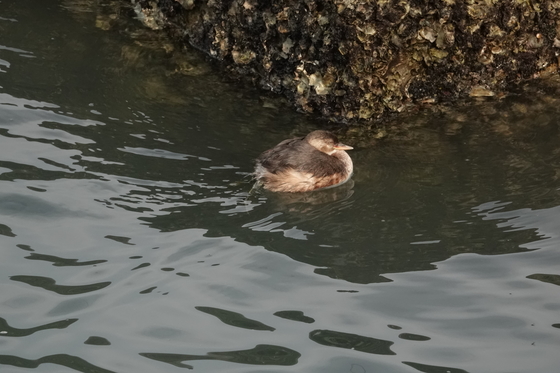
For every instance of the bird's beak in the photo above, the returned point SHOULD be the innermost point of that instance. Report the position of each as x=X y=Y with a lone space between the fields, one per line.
x=341 y=146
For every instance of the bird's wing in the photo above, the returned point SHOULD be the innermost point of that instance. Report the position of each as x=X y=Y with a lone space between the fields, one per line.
x=300 y=156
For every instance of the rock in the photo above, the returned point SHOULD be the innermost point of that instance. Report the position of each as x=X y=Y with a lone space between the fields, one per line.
x=480 y=91
x=350 y=60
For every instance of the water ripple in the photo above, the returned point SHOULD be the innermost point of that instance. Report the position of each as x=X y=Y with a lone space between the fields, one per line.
x=63 y=262
x=235 y=319
x=50 y=285
x=295 y=316
x=352 y=341
x=8 y=331
x=65 y=360
x=433 y=368
x=260 y=355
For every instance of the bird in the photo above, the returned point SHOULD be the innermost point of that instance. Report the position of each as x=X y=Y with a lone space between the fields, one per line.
x=303 y=164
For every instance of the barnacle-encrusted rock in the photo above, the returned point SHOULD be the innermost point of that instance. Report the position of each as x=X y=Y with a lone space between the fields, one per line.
x=358 y=59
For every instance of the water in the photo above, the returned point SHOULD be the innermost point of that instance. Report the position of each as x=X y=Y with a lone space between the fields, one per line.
x=130 y=243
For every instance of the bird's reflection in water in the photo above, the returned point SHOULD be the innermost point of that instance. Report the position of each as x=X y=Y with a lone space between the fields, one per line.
x=312 y=204
x=289 y=212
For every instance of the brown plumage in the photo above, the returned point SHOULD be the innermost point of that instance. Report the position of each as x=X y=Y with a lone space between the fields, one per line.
x=315 y=161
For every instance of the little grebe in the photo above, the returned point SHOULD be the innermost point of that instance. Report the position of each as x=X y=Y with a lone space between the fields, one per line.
x=315 y=161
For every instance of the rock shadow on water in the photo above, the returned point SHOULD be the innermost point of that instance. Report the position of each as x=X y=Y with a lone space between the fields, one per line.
x=259 y=355
x=414 y=204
